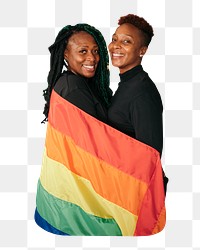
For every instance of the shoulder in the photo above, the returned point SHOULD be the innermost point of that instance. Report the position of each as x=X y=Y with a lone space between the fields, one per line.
x=68 y=82
x=142 y=89
x=143 y=85
x=142 y=82
x=135 y=86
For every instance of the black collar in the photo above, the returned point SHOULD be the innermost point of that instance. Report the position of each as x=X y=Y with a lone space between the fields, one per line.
x=130 y=73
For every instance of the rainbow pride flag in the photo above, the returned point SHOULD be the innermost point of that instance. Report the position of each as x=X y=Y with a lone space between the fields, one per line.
x=96 y=180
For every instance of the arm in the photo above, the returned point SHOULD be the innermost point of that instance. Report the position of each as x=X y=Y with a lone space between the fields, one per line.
x=146 y=118
x=146 y=114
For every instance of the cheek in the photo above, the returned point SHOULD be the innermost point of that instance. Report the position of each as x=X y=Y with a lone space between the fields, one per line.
x=130 y=52
x=77 y=59
x=110 y=46
x=74 y=63
x=97 y=58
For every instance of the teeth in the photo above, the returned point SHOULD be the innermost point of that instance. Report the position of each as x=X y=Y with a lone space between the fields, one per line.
x=88 y=67
x=115 y=54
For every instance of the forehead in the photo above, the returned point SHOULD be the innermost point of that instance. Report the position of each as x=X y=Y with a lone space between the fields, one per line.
x=82 y=37
x=127 y=29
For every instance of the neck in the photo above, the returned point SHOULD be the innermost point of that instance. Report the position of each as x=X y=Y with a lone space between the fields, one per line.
x=122 y=70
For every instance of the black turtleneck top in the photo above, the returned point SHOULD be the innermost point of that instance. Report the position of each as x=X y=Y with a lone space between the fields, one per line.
x=76 y=89
x=136 y=108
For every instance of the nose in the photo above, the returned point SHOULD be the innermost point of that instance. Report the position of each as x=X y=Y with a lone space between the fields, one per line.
x=116 y=44
x=113 y=46
x=91 y=56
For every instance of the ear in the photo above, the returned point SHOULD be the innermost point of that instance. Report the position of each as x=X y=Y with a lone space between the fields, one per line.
x=143 y=50
x=66 y=54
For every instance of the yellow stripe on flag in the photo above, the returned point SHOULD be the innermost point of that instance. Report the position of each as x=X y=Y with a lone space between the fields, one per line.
x=64 y=184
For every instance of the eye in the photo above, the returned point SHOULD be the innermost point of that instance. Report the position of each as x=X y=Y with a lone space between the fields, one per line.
x=83 y=51
x=114 y=39
x=96 y=51
x=126 y=41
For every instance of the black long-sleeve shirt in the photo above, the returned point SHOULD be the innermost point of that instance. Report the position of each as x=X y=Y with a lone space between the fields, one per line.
x=136 y=108
x=75 y=89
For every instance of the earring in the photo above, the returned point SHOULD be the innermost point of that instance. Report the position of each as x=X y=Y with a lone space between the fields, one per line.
x=66 y=63
x=141 y=55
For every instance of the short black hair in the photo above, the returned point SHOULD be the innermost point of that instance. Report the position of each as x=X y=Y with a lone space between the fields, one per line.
x=140 y=23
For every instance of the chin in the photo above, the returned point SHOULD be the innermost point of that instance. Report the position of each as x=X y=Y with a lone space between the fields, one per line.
x=89 y=75
x=118 y=65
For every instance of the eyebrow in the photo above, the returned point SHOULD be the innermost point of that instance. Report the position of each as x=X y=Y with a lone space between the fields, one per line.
x=86 y=46
x=124 y=35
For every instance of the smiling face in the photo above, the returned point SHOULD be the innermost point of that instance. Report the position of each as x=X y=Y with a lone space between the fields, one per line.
x=126 y=47
x=82 y=54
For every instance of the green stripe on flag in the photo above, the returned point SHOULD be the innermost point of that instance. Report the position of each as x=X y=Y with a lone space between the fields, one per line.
x=70 y=218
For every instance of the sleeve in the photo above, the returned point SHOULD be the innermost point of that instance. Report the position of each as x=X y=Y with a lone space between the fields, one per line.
x=146 y=118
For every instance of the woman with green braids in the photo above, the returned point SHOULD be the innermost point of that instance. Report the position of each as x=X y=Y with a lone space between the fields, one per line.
x=82 y=50
x=85 y=84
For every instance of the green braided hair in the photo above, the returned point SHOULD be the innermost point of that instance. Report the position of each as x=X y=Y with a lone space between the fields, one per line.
x=102 y=74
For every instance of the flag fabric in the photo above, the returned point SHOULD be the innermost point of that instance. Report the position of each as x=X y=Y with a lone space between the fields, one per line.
x=96 y=180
